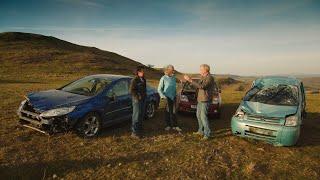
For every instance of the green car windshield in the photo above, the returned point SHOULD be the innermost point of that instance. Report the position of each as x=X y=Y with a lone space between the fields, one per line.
x=274 y=95
x=88 y=86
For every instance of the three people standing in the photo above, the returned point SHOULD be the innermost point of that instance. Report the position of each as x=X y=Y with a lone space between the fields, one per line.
x=167 y=92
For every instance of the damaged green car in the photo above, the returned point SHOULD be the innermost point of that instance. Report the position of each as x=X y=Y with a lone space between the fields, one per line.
x=272 y=111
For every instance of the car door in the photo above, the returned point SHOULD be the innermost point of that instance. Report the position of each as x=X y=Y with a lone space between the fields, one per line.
x=119 y=106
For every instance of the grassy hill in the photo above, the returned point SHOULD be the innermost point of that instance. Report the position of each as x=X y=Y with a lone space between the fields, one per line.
x=25 y=56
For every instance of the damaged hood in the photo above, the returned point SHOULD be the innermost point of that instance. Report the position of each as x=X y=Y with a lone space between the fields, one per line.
x=46 y=100
x=268 y=110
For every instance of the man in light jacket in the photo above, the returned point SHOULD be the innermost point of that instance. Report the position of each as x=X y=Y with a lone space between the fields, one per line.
x=168 y=92
x=205 y=91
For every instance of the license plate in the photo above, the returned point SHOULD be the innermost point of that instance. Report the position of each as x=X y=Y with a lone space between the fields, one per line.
x=266 y=132
x=193 y=106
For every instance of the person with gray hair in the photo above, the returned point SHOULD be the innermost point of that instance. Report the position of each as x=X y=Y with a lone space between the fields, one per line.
x=205 y=91
x=168 y=92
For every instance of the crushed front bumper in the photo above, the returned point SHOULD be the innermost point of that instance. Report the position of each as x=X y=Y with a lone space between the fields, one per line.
x=48 y=126
x=276 y=134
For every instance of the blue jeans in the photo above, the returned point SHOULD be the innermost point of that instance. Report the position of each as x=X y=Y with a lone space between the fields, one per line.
x=138 y=115
x=202 y=116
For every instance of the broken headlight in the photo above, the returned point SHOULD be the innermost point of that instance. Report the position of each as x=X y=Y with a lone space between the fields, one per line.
x=57 y=112
x=292 y=120
x=240 y=114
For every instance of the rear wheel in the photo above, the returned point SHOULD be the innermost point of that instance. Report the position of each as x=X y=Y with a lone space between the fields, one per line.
x=150 y=111
x=89 y=126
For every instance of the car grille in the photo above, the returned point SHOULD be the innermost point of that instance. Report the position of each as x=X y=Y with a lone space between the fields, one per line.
x=271 y=120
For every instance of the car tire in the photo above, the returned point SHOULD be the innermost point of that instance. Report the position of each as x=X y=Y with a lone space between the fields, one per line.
x=89 y=126
x=150 y=110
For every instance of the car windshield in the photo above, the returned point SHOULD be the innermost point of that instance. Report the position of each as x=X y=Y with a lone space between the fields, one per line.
x=88 y=86
x=274 y=95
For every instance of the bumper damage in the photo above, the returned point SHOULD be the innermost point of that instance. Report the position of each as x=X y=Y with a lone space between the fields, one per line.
x=273 y=133
x=30 y=118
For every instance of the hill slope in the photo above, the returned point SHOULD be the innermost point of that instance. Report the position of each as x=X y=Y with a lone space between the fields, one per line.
x=31 y=55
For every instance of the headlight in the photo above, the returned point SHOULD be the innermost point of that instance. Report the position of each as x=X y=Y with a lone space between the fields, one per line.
x=215 y=100
x=184 y=98
x=21 y=106
x=291 y=120
x=240 y=114
x=57 y=112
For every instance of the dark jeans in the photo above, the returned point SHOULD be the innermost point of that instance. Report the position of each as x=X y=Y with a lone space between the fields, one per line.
x=170 y=115
x=138 y=115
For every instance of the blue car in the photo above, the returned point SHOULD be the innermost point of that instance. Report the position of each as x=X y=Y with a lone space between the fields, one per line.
x=85 y=105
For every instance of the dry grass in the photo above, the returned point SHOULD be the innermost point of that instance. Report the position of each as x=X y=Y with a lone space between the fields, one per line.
x=33 y=63
x=26 y=154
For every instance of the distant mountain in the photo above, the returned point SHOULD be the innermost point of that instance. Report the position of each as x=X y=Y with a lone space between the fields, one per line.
x=33 y=55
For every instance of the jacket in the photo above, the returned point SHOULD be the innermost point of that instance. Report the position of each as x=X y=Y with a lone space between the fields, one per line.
x=167 y=87
x=205 y=88
x=138 y=88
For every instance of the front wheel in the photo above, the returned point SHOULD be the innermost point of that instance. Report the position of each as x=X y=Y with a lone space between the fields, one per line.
x=150 y=111
x=89 y=126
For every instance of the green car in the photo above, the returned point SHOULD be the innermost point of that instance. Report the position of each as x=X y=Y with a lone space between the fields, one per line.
x=272 y=111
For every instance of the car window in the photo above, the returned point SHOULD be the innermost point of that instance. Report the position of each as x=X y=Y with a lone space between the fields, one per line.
x=88 y=86
x=119 y=89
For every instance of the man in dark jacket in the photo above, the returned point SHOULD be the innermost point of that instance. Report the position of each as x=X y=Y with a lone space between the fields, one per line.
x=138 y=92
x=204 y=97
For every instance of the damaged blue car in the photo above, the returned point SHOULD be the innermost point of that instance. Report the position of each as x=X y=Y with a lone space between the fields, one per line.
x=85 y=105
x=272 y=111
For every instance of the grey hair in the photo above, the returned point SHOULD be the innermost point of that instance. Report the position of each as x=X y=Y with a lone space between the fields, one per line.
x=206 y=67
x=165 y=69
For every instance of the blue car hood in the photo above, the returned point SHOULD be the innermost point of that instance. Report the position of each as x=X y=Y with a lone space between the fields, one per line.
x=46 y=100
x=268 y=110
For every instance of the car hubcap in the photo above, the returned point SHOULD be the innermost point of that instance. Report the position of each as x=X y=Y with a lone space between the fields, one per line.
x=91 y=126
x=150 y=110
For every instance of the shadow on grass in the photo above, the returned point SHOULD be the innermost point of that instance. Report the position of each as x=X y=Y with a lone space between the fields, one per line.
x=40 y=170
x=310 y=131
x=187 y=121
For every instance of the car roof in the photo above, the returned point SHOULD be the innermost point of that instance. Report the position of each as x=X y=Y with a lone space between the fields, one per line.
x=274 y=80
x=113 y=77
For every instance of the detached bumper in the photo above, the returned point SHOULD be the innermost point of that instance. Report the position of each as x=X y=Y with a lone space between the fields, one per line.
x=276 y=134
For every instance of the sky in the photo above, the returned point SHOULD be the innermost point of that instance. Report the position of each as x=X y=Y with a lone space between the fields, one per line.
x=248 y=37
